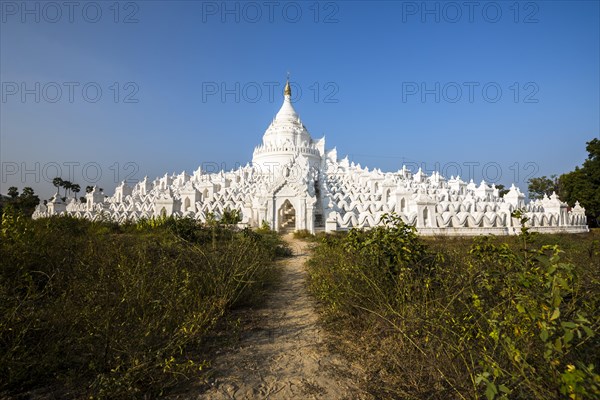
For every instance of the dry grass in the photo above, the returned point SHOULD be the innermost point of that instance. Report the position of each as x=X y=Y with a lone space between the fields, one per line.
x=464 y=318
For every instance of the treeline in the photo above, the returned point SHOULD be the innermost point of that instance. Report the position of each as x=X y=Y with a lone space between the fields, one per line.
x=101 y=310
x=23 y=203
x=26 y=201
x=70 y=188
x=582 y=184
x=461 y=318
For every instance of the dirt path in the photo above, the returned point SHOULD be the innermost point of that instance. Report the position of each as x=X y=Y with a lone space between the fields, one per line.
x=284 y=357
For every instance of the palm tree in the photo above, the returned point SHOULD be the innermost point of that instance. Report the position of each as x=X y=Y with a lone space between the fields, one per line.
x=67 y=185
x=57 y=182
x=75 y=188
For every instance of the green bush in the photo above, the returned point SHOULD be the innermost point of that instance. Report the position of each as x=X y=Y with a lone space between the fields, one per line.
x=359 y=271
x=304 y=234
x=463 y=318
x=101 y=310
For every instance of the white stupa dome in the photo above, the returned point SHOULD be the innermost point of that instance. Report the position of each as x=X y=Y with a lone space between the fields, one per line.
x=286 y=137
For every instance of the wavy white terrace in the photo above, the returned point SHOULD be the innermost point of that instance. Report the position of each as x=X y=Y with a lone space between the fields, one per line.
x=293 y=183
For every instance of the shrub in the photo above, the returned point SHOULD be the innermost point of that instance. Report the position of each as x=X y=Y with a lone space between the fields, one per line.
x=484 y=317
x=102 y=310
x=304 y=234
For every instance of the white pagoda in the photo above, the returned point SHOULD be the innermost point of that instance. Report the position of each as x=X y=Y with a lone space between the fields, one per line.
x=293 y=183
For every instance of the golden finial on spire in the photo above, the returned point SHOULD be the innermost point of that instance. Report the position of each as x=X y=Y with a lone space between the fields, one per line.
x=288 y=90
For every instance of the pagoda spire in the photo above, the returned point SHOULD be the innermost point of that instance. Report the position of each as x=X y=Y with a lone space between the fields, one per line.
x=287 y=109
x=288 y=90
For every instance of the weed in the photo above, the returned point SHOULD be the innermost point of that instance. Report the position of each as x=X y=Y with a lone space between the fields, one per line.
x=497 y=318
x=102 y=310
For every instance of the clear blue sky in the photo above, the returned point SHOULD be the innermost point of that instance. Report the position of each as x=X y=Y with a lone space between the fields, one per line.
x=369 y=73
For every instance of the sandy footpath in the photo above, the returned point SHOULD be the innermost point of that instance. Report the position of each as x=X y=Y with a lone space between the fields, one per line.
x=284 y=356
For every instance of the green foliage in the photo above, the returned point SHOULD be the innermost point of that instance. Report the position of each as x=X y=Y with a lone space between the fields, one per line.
x=13 y=192
x=394 y=246
x=543 y=186
x=477 y=318
x=533 y=322
x=279 y=247
x=24 y=203
x=583 y=184
x=75 y=188
x=304 y=235
x=502 y=190
x=231 y=217
x=350 y=272
x=57 y=183
x=101 y=310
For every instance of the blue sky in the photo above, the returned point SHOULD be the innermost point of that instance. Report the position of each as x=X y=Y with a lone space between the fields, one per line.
x=496 y=90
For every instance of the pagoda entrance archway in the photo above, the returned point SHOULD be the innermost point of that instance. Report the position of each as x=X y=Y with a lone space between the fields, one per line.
x=287 y=216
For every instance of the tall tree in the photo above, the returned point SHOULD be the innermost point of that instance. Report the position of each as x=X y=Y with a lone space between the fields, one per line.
x=583 y=184
x=67 y=185
x=25 y=202
x=27 y=192
x=502 y=190
x=13 y=192
x=58 y=183
x=538 y=187
x=75 y=188
x=28 y=201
